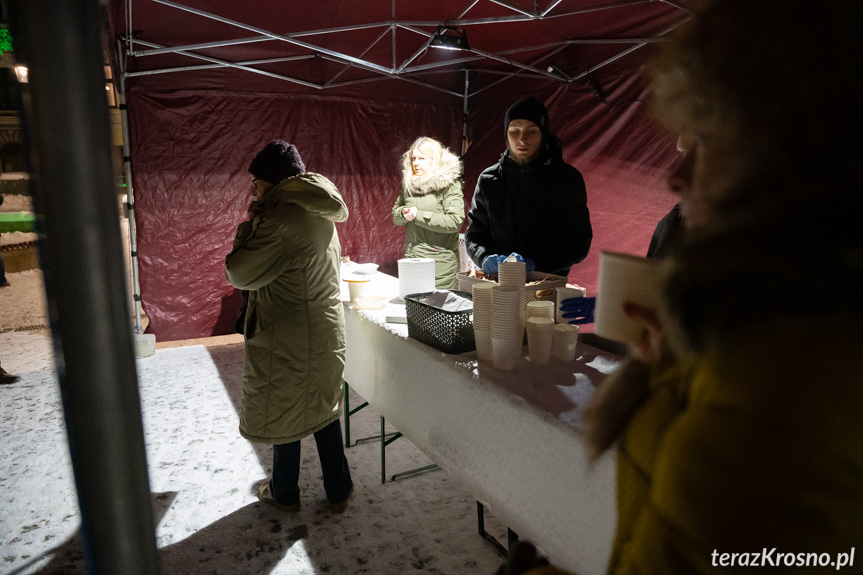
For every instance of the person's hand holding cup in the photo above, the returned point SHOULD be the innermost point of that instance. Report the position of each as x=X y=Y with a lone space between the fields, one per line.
x=410 y=213
x=627 y=303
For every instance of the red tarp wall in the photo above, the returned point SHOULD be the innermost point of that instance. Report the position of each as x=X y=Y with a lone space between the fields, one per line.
x=190 y=150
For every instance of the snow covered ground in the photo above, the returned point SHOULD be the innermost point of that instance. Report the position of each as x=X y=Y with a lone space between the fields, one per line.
x=202 y=472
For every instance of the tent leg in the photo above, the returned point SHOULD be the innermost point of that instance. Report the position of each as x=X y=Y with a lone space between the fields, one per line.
x=67 y=133
x=130 y=201
x=464 y=142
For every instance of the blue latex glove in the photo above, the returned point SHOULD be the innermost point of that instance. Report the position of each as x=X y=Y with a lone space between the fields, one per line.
x=529 y=265
x=579 y=309
x=491 y=263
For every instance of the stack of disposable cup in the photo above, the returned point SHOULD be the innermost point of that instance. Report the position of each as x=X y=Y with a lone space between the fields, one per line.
x=514 y=274
x=540 y=334
x=507 y=333
x=564 y=341
x=482 y=319
x=540 y=308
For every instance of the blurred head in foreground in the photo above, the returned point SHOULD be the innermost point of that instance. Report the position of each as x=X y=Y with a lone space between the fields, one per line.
x=764 y=96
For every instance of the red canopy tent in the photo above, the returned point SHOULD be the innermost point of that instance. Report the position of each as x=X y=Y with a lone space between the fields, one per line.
x=209 y=82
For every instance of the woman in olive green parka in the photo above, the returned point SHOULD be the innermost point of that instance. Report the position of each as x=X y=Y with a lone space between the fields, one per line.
x=431 y=205
x=288 y=256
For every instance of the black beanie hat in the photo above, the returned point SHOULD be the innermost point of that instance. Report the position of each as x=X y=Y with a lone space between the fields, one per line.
x=277 y=161
x=531 y=110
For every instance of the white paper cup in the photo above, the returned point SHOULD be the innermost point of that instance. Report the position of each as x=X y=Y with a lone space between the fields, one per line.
x=540 y=309
x=564 y=342
x=357 y=288
x=482 y=290
x=483 y=345
x=502 y=352
x=539 y=324
x=482 y=309
x=540 y=334
x=563 y=293
x=623 y=278
x=512 y=274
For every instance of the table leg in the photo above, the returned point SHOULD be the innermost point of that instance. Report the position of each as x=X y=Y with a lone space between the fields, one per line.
x=512 y=536
x=347 y=415
x=386 y=441
x=383 y=452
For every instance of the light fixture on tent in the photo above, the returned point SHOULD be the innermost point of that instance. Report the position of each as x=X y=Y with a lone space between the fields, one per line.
x=450 y=38
x=555 y=70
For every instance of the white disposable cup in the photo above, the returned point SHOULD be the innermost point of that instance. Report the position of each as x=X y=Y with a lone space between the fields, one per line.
x=563 y=293
x=358 y=288
x=482 y=309
x=564 y=342
x=506 y=319
x=503 y=353
x=512 y=274
x=482 y=338
x=539 y=324
x=540 y=334
x=513 y=333
x=482 y=290
x=540 y=308
x=623 y=278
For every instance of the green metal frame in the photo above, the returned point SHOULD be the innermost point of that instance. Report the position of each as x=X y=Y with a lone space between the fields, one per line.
x=385 y=439
x=512 y=536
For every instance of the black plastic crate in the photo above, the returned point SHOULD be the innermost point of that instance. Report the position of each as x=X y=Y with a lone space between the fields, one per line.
x=449 y=331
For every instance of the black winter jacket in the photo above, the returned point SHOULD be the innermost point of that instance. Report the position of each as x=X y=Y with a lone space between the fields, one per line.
x=538 y=210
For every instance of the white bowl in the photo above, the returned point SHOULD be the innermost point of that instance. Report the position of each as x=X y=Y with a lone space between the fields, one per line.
x=365 y=269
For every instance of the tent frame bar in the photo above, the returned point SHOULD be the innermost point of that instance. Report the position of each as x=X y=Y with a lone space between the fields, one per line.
x=221 y=63
x=216 y=66
x=597 y=66
x=406 y=24
x=281 y=37
x=400 y=72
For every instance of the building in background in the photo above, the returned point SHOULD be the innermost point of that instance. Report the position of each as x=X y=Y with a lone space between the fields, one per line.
x=13 y=170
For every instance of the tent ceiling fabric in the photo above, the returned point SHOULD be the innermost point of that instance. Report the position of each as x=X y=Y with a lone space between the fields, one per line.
x=354 y=48
x=352 y=83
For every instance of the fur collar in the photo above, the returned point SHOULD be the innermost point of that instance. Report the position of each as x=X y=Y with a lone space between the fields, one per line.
x=440 y=177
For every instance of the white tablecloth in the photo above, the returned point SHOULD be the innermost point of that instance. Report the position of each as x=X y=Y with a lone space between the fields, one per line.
x=511 y=437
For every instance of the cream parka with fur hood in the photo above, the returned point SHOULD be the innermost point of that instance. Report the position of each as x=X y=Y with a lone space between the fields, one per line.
x=288 y=258
x=438 y=198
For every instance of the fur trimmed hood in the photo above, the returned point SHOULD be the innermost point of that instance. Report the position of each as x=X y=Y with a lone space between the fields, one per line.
x=443 y=175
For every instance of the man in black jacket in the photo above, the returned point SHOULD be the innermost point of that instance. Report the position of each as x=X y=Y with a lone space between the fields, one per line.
x=531 y=203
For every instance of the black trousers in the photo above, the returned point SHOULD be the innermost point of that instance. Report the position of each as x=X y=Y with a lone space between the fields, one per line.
x=286 y=467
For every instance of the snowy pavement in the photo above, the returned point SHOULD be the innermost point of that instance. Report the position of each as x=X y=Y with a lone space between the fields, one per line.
x=202 y=472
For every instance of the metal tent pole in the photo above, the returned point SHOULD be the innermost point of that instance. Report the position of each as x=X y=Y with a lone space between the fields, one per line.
x=464 y=142
x=68 y=136
x=130 y=197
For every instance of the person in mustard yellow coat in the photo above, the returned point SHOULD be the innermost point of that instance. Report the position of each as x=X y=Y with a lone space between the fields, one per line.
x=737 y=416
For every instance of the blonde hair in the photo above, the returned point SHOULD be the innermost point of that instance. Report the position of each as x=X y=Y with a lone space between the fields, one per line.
x=437 y=154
